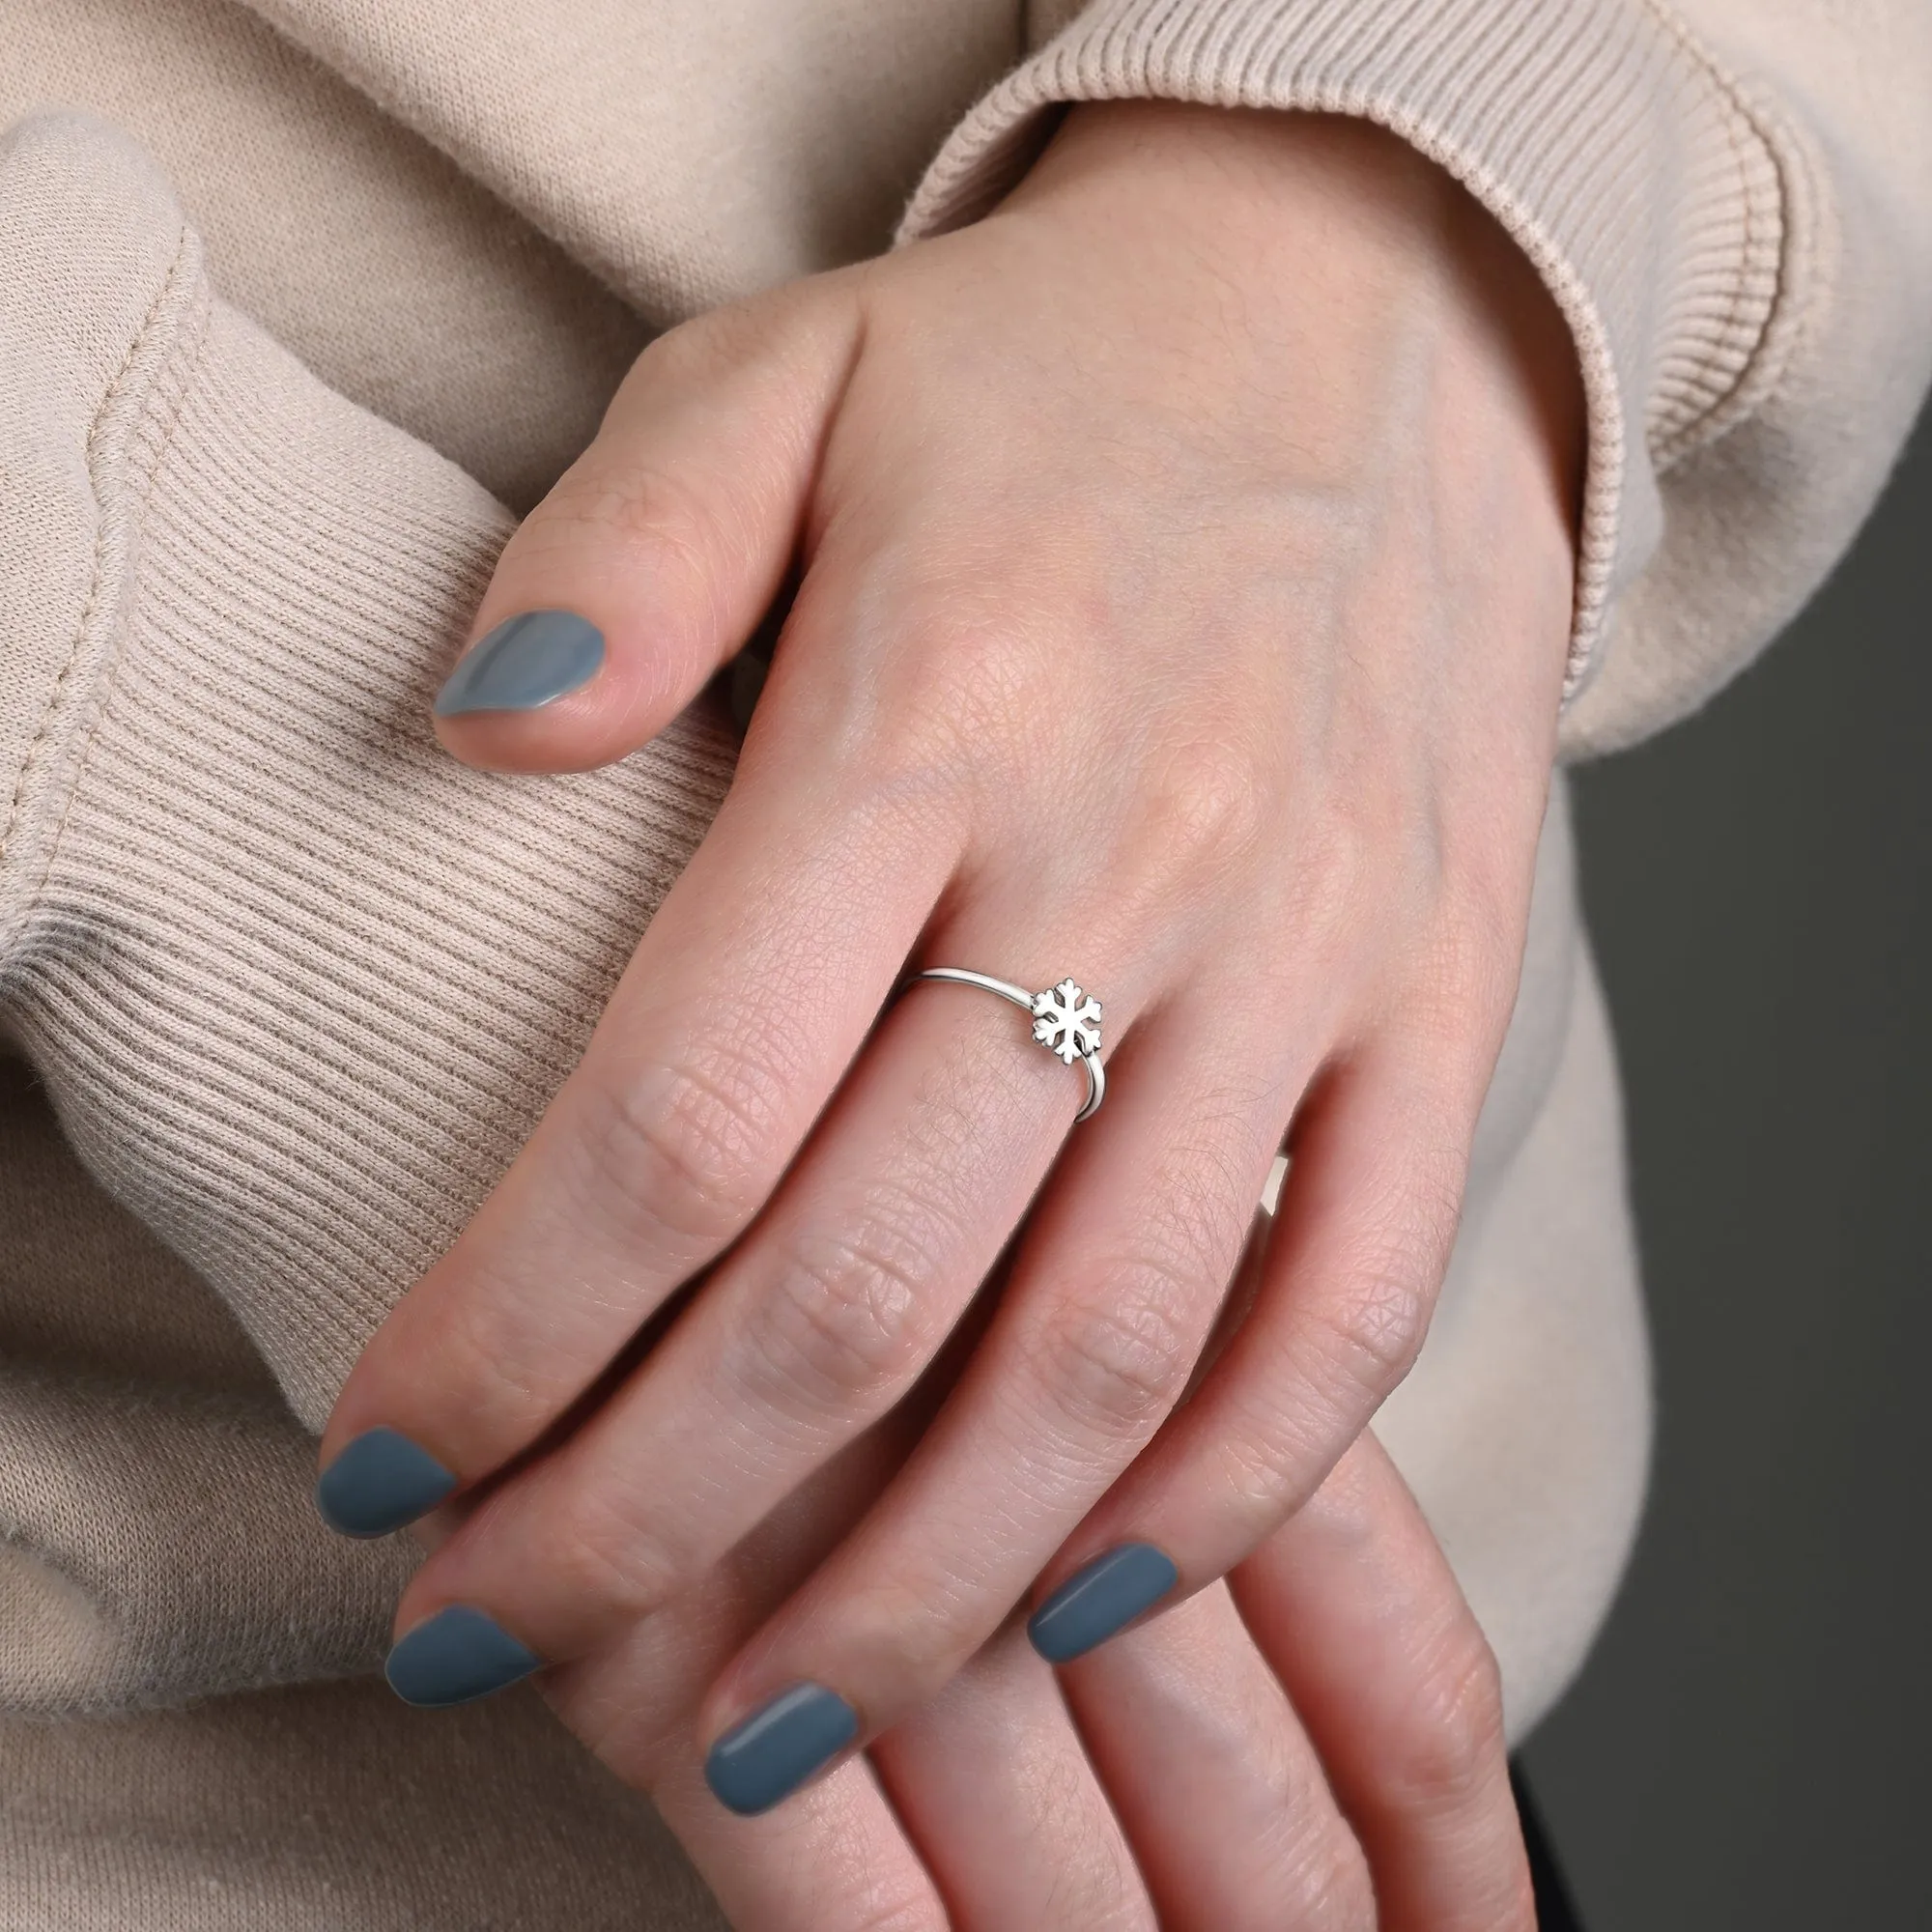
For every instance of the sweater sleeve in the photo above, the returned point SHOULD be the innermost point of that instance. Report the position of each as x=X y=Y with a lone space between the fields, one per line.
x=1730 y=202
x=297 y=982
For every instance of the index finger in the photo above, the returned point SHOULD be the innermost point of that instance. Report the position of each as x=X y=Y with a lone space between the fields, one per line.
x=749 y=996
x=1355 y=1606
x=845 y=1860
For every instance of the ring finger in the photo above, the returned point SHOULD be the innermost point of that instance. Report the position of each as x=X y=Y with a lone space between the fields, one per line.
x=1359 y=1614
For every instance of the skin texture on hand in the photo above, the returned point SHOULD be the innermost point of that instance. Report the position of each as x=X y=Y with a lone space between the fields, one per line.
x=1170 y=1780
x=1183 y=566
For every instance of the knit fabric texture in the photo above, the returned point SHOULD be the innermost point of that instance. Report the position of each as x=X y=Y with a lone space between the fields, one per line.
x=284 y=987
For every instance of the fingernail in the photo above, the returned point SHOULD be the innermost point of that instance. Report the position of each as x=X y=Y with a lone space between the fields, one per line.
x=380 y=1482
x=522 y=664
x=457 y=1654
x=774 y=1751
x=1103 y=1598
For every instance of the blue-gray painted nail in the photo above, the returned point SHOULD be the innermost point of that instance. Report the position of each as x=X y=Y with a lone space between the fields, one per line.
x=522 y=664
x=380 y=1482
x=1103 y=1598
x=774 y=1751
x=457 y=1654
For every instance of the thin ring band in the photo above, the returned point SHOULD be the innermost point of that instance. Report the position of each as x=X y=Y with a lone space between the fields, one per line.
x=1065 y=1022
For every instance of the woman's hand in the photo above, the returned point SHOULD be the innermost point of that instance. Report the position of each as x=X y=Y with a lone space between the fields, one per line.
x=1186 y=580
x=1316 y=1743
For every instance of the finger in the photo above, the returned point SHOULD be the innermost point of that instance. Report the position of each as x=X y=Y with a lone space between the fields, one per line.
x=1346 y=1286
x=747 y=999
x=841 y=1859
x=995 y=1791
x=1218 y=1786
x=1111 y=1299
x=657 y=552
x=818 y=1323
x=1356 y=1608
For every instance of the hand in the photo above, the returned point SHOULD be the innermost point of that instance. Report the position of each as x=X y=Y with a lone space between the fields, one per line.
x=1317 y=1746
x=1186 y=557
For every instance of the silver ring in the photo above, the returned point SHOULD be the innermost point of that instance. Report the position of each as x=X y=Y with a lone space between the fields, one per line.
x=1065 y=1021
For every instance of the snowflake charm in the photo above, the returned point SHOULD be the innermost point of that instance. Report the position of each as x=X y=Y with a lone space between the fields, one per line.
x=1066 y=1022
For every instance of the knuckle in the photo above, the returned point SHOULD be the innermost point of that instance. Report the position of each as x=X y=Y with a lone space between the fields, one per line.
x=964 y=689
x=1117 y=1366
x=1335 y=858
x=1382 y=1316
x=698 y=352
x=1378 y=1328
x=1205 y=812
x=1454 y=1740
x=919 y=771
x=692 y=1147
x=848 y=1320
x=1266 y=1465
x=624 y=506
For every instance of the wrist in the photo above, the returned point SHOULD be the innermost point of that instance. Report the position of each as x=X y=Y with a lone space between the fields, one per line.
x=1352 y=251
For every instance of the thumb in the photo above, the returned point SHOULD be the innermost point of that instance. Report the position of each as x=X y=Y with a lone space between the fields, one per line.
x=661 y=548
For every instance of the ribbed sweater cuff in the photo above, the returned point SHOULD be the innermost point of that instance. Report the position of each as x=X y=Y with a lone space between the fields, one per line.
x=1623 y=161
x=299 y=983
x=102 y=301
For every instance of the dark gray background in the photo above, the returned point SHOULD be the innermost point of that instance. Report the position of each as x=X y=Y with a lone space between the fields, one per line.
x=1749 y=1747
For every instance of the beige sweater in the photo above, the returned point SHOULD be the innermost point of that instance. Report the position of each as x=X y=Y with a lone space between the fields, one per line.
x=307 y=292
